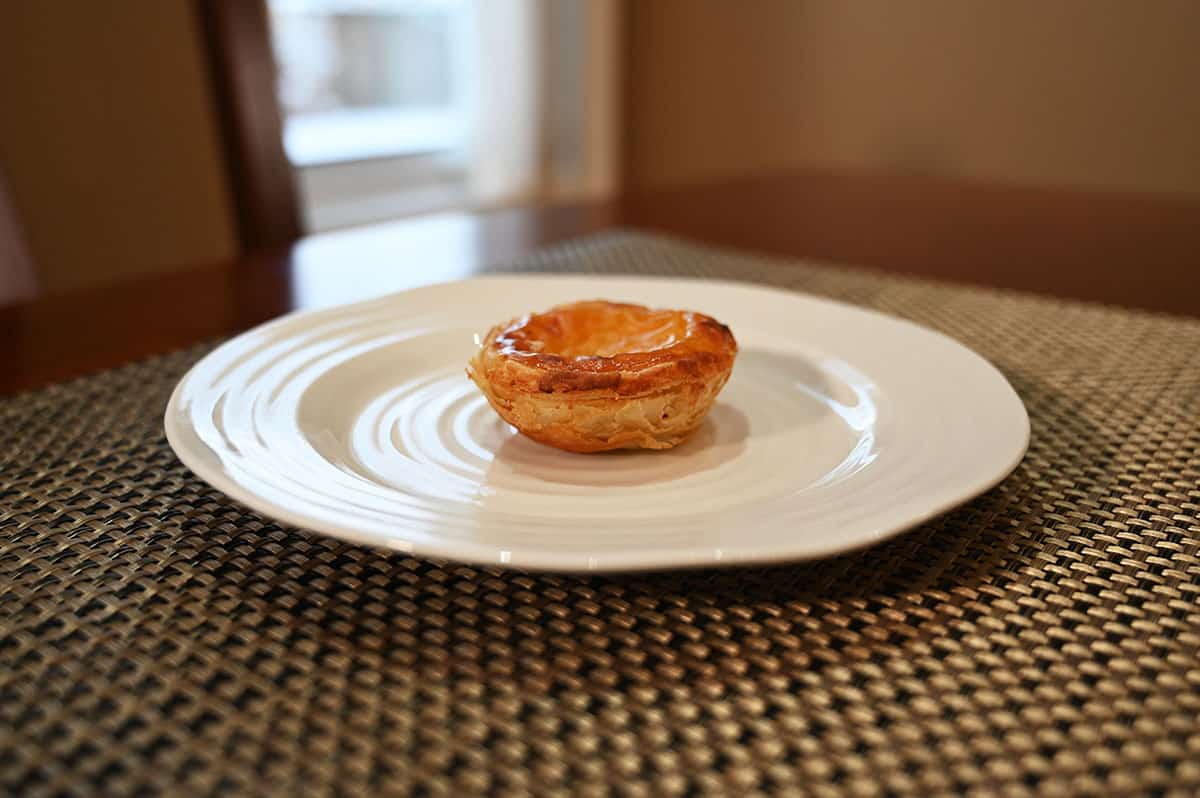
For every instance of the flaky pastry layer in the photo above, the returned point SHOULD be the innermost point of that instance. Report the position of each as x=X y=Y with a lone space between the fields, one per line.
x=594 y=376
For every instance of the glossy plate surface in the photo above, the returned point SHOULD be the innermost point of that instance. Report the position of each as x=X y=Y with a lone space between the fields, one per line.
x=839 y=427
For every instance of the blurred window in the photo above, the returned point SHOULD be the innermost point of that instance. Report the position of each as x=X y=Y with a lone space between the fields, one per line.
x=398 y=107
x=363 y=79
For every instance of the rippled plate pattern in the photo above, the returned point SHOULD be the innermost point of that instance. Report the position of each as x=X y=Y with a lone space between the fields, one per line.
x=840 y=427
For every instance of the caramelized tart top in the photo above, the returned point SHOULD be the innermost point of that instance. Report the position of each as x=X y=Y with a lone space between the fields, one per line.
x=606 y=346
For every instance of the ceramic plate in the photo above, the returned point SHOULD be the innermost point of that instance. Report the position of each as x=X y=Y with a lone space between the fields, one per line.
x=840 y=427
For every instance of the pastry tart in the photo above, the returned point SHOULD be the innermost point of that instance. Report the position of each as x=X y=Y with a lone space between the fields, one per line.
x=594 y=376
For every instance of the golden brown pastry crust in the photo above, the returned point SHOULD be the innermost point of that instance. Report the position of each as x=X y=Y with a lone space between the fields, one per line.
x=593 y=376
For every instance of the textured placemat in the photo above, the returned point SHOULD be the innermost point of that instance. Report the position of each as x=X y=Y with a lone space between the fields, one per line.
x=156 y=637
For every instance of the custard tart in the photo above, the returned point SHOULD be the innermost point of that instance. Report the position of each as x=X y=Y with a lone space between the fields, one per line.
x=594 y=376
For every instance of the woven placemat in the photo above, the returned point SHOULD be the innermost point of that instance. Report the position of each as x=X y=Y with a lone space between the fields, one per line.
x=157 y=637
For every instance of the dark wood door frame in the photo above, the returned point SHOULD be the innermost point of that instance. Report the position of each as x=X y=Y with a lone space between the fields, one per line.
x=18 y=281
x=238 y=38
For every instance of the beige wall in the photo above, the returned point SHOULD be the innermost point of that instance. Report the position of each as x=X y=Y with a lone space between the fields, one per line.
x=108 y=139
x=1089 y=93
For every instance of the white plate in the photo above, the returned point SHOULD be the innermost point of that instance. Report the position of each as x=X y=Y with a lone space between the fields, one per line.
x=839 y=428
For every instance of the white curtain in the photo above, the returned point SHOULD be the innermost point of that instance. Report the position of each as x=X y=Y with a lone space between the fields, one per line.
x=545 y=101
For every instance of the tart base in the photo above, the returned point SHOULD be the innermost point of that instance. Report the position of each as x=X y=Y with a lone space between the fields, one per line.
x=657 y=421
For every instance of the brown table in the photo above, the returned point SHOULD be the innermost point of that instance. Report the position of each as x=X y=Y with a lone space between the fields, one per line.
x=1128 y=250
x=158 y=638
